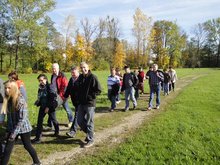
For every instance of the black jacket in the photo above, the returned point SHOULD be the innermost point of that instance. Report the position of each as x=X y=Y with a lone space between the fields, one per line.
x=89 y=87
x=73 y=90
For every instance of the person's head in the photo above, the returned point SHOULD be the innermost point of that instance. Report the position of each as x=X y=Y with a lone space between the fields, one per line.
x=140 y=68
x=13 y=76
x=165 y=70
x=117 y=70
x=84 y=68
x=155 y=67
x=75 y=71
x=170 y=67
x=127 y=69
x=113 y=71
x=55 y=68
x=42 y=78
x=11 y=93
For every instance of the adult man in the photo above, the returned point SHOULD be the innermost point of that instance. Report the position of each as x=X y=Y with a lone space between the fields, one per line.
x=72 y=90
x=59 y=83
x=113 y=83
x=89 y=87
x=155 y=79
x=130 y=81
x=173 y=77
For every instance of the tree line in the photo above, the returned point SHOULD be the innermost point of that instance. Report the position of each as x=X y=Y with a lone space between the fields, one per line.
x=29 y=41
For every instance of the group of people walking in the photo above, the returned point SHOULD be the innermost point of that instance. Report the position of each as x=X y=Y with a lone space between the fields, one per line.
x=82 y=88
x=132 y=84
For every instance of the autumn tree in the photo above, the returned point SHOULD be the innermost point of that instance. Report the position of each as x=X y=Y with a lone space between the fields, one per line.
x=141 y=30
x=119 y=57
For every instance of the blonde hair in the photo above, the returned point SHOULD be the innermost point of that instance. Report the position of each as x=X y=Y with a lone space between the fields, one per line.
x=13 y=96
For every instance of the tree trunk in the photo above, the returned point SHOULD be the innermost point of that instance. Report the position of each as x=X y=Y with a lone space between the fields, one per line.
x=16 y=52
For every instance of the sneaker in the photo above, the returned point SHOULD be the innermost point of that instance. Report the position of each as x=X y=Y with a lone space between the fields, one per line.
x=157 y=107
x=71 y=134
x=36 y=141
x=69 y=125
x=134 y=107
x=89 y=144
x=149 y=108
x=56 y=133
x=126 y=109
x=117 y=102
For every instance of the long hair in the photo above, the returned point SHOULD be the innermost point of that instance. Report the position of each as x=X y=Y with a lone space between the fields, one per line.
x=12 y=96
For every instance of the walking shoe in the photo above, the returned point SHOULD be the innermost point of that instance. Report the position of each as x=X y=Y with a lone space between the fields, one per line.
x=157 y=107
x=149 y=108
x=56 y=133
x=36 y=141
x=71 y=134
x=117 y=102
x=126 y=109
x=69 y=125
x=89 y=144
x=134 y=107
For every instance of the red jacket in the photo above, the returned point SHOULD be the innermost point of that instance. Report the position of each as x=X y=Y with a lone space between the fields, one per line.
x=62 y=83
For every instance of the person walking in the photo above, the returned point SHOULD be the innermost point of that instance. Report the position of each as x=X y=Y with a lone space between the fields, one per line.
x=155 y=79
x=166 y=82
x=89 y=88
x=113 y=83
x=141 y=78
x=129 y=83
x=72 y=90
x=18 y=124
x=173 y=77
x=47 y=103
x=59 y=83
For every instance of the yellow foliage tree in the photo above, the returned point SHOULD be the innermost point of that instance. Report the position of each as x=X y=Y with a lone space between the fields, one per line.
x=119 y=57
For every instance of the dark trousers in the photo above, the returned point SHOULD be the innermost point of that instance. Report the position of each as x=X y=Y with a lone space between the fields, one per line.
x=25 y=138
x=41 y=115
x=171 y=86
x=75 y=123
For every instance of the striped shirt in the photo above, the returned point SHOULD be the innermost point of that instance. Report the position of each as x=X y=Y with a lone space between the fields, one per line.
x=155 y=78
x=112 y=80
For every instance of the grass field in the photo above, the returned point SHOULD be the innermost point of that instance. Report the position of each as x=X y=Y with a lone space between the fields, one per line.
x=186 y=133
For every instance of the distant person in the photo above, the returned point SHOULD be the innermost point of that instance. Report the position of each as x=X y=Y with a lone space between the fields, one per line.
x=59 y=83
x=141 y=78
x=155 y=79
x=129 y=84
x=47 y=103
x=13 y=75
x=73 y=91
x=89 y=88
x=173 y=77
x=18 y=124
x=113 y=83
x=166 y=82
x=118 y=73
x=136 y=87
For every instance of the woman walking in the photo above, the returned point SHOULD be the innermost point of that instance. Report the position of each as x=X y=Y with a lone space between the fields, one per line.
x=14 y=105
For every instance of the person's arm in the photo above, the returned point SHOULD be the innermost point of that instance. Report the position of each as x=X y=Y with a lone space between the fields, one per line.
x=97 y=86
x=68 y=89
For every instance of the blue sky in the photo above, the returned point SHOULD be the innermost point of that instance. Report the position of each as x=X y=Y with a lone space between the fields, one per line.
x=186 y=13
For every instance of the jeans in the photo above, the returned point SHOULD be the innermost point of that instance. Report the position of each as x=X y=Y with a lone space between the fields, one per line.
x=41 y=115
x=68 y=111
x=75 y=123
x=166 y=88
x=154 y=89
x=85 y=120
x=129 y=93
x=112 y=98
x=25 y=138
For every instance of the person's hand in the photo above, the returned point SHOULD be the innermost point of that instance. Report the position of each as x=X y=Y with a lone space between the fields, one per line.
x=46 y=110
x=12 y=137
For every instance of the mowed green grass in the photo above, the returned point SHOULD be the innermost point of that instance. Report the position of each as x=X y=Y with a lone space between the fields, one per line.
x=63 y=144
x=187 y=132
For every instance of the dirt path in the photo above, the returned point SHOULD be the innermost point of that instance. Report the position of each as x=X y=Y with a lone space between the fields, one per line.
x=116 y=134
